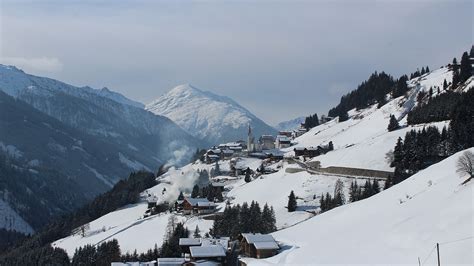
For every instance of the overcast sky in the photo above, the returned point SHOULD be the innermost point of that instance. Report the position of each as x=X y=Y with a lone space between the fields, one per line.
x=279 y=59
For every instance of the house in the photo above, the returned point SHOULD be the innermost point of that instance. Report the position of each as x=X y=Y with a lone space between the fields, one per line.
x=170 y=261
x=186 y=243
x=227 y=153
x=152 y=200
x=266 y=142
x=285 y=133
x=198 y=206
x=308 y=151
x=258 y=245
x=215 y=253
x=217 y=187
x=282 y=142
x=212 y=155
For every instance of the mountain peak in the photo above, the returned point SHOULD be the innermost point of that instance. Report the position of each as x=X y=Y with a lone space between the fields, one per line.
x=184 y=89
x=206 y=115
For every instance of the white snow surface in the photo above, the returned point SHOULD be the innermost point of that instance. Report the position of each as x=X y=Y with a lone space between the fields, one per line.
x=394 y=227
x=206 y=115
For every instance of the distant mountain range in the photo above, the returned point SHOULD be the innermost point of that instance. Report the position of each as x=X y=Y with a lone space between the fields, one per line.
x=290 y=124
x=208 y=116
x=77 y=140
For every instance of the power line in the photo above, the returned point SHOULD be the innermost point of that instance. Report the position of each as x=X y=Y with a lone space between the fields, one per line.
x=427 y=257
x=457 y=240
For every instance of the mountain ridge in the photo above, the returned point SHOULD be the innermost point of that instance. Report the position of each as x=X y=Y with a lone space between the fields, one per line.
x=206 y=115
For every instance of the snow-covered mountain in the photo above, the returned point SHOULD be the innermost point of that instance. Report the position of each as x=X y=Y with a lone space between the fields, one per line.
x=208 y=116
x=76 y=137
x=290 y=124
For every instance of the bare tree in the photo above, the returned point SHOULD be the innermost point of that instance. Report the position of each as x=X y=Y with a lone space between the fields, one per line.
x=465 y=165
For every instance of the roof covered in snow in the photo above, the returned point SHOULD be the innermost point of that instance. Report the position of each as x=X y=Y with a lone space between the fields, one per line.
x=253 y=238
x=266 y=245
x=189 y=241
x=207 y=251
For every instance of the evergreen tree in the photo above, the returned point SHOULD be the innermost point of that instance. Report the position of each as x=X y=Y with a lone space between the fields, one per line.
x=217 y=169
x=181 y=196
x=343 y=116
x=195 y=192
x=375 y=187
x=247 y=175
x=393 y=123
x=445 y=85
x=292 y=202
x=353 y=192
x=311 y=121
x=197 y=232
x=339 y=198
x=330 y=146
x=465 y=68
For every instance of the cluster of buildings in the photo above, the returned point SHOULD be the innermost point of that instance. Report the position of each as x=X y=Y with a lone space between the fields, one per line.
x=217 y=251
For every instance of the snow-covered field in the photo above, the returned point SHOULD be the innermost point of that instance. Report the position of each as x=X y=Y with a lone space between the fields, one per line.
x=393 y=227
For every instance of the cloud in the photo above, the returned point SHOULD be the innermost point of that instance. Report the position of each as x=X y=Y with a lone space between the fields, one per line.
x=41 y=64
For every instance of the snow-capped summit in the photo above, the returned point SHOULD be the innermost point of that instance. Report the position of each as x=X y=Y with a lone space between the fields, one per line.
x=206 y=115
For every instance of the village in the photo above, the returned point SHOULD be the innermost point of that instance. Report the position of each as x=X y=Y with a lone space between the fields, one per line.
x=246 y=160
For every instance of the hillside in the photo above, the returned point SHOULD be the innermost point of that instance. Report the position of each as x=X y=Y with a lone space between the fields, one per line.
x=213 y=118
x=363 y=140
x=428 y=208
x=80 y=138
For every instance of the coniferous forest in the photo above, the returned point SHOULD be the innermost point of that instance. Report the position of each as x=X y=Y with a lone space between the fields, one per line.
x=244 y=219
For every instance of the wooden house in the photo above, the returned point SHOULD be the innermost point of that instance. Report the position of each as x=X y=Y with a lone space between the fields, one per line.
x=198 y=206
x=258 y=245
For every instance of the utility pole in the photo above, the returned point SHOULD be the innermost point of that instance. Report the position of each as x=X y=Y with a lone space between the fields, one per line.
x=437 y=250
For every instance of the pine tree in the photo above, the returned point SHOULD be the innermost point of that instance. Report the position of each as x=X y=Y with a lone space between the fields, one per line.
x=292 y=202
x=197 y=232
x=339 y=198
x=181 y=196
x=465 y=68
x=445 y=85
x=375 y=186
x=343 y=116
x=217 y=169
x=195 y=192
x=330 y=146
x=353 y=195
x=247 y=175
x=393 y=123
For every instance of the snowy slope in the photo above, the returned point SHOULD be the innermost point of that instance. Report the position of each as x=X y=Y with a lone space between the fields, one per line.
x=132 y=231
x=208 y=116
x=428 y=208
x=363 y=141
